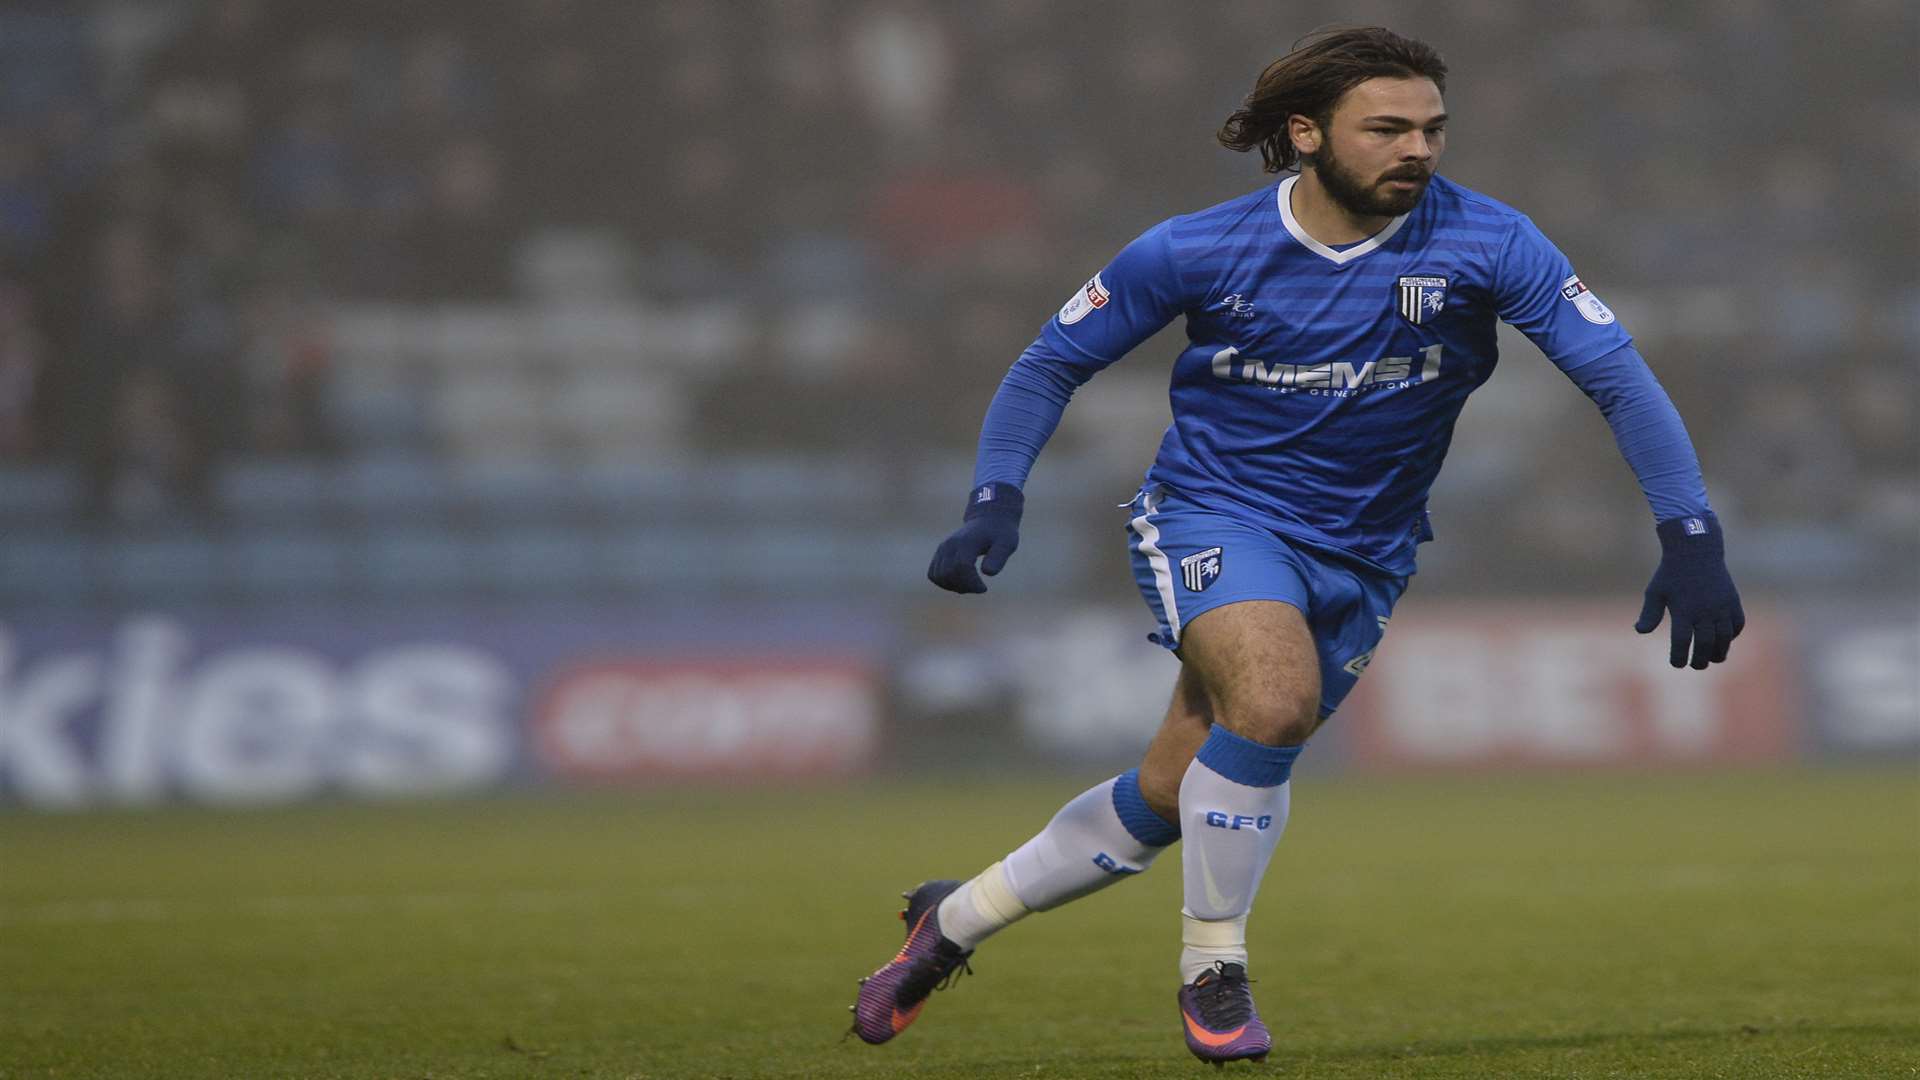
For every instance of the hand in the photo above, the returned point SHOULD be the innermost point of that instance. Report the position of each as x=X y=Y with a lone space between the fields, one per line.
x=990 y=533
x=1692 y=582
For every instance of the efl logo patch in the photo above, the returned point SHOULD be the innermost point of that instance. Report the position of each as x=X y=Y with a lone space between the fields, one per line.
x=1201 y=569
x=1091 y=298
x=1421 y=298
x=1589 y=305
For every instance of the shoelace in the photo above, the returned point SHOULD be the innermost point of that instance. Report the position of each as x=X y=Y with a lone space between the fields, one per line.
x=1224 y=1002
x=941 y=971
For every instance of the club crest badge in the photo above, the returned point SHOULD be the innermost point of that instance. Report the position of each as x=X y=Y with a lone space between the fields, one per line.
x=1201 y=569
x=1421 y=298
x=1091 y=298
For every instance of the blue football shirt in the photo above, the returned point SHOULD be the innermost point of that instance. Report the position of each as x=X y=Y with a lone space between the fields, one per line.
x=1318 y=388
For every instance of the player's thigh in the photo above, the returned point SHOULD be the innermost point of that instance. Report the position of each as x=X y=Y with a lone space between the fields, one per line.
x=1260 y=669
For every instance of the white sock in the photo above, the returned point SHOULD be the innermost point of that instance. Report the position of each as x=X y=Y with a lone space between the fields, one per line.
x=1203 y=944
x=1233 y=808
x=980 y=908
x=1105 y=834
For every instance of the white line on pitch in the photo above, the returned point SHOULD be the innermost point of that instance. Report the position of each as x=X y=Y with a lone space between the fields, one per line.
x=133 y=910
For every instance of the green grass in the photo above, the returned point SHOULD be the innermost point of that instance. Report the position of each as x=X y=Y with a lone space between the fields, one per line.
x=1717 y=925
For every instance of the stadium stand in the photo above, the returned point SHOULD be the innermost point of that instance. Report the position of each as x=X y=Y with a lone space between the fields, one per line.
x=408 y=300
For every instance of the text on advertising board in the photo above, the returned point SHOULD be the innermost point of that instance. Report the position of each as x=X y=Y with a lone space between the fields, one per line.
x=1563 y=684
x=762 y=716
x=135 y=720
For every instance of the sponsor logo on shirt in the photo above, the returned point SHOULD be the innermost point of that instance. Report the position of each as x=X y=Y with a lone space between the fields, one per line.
x=1341 y=377
x=1237 y=306
x=1587 y=304
x=1091 y=298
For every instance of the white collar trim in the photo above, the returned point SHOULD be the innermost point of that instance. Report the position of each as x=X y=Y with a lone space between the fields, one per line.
x=1320 y=249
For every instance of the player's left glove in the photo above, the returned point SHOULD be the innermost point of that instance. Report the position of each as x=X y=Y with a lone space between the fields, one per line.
x=989 y=535
x=1692 y=582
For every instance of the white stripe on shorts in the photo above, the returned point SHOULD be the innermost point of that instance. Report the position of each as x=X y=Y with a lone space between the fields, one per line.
x=1162 y=574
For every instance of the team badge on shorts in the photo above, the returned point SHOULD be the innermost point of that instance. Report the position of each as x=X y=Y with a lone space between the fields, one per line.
x=1201 y=569
x=1421 y=298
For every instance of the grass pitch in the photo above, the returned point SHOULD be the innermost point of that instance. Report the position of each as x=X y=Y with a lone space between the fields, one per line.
x=1724 y=925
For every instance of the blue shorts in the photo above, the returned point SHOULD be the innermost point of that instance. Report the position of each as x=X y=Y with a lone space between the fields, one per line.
x=1187 y=560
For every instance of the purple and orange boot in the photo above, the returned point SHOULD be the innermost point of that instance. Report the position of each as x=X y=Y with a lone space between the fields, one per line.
x=891 y=998
x=1221 y=1023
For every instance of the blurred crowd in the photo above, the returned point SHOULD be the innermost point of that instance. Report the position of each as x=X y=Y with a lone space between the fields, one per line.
x=188 y=190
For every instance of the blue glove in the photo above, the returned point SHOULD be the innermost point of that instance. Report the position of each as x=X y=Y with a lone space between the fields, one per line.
x=1692 y=582
x=991 y=529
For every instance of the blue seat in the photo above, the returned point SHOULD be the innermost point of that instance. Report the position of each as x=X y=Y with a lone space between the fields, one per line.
x=647 y=489
x=514 y=488
x=489 y=412
x=662 y=559
x=415 y=561
x=276 y=490
x=31 y=494
x=760 y=484
x=287 y=563
x=889 y=561
x=939 y=485
x=169 y=567
x=783 y=560
x=535 y=559
x=774 y=559
x=52 y=567
x=624 y=410
x=387 y=414
x=400 y=486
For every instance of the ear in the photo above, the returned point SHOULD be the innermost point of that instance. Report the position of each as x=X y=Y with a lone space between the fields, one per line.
x=1304 y=134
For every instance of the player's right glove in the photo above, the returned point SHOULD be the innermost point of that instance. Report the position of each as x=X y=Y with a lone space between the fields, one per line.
x=1692 y=582
x=989 y=534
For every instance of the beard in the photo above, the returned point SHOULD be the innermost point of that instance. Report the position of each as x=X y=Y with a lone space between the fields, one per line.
x=1354 y=194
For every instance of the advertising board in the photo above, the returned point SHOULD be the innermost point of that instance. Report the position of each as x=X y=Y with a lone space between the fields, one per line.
x=255 y=707
x=1863 y=678
x=1466 y=685
x=1566 y=684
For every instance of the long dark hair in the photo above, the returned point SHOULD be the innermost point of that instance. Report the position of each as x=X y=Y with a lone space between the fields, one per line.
x=1312 y=78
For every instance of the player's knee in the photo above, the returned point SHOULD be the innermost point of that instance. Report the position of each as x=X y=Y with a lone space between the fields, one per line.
x=1160 y=787
x=1274 y=719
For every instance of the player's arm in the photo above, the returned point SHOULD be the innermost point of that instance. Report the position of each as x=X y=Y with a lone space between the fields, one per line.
x=1692 y=580
x=1538 y=292
x=1126 y=303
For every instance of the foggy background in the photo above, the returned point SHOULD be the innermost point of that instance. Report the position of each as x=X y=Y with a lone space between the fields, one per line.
x=442 y=396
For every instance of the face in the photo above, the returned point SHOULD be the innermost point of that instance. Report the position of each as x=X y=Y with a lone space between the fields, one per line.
x=1378 y=152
